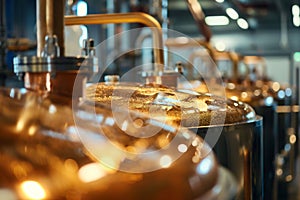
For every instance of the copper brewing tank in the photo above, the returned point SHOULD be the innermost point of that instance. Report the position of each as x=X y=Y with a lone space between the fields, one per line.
x=230 y=127
x=51 y=148
x=49 y=153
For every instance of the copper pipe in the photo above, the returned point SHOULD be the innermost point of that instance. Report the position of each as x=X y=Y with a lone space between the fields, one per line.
x=235 y=64
x=58 y=23
x=50 y=21
x=134 y=17
x=49 y=16
x=197 y=12
x=215 y=55
x=55 y=21
x=41 y=25
x=172 y=42
x=207 y=46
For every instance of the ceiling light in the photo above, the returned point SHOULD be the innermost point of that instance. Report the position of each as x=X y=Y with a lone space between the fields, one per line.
x=220 y=1
x=243 y=24
x=296 y=21
x=232 y=13
x=217 y=20
x=296 y=10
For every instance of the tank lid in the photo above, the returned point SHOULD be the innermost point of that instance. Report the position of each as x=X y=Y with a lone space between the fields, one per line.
x=186 y=108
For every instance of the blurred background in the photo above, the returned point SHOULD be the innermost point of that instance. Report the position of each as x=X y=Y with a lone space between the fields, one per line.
x=268 y=28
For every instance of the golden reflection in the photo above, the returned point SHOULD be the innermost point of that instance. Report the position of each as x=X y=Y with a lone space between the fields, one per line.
x=202 y=106
x=231 y=86
x=196 y=142
x=265 y=94
x=257 y=92
x=71 y=165
x=293 y=139
x=32 y=130
x=131 y=149
x=162 y=141
x=289 y=178
x=19 y=169
x=92 y=172
x=235 y=98
x=32 y=190
x=279 y=172
x=275 y=86
x=197 y=156
x=141 y=144
x=138 y=123
x=133 y=178
x=196 y=159
x=20 y=125
x=244 y=95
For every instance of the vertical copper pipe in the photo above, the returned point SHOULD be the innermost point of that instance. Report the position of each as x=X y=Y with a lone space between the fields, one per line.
x=49 y=20
x=198 y=15
x=235 y=64
x=55 y=21
x=59 y=24
x=41 y=25
x=49 y=16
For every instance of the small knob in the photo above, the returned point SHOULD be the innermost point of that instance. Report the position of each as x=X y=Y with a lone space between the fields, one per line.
x=179 y=67
x=88 y=48
x=51 y=47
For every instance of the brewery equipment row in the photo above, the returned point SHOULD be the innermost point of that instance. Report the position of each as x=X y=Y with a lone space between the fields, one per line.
x=185 y=130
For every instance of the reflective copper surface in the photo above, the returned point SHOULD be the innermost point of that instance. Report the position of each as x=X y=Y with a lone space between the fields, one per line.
x=43 y=158
x=230 y=127
x=183 y=107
